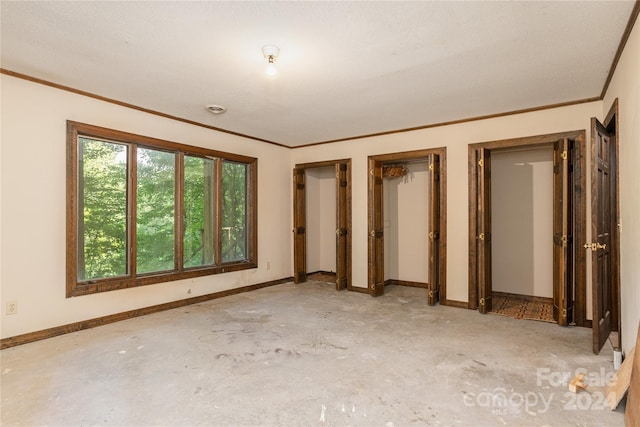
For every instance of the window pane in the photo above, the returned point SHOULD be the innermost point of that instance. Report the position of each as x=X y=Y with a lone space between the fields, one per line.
x=102 y=209
x=234 y=211
x=198 y=211
x=155 y=213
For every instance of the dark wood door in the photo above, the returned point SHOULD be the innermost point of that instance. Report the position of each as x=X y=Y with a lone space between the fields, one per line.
x=299 y=227
x=376 y=229
x=433 y=191
x=562 y=235
x=601 y=224
x=341 y=226
x=483 y=238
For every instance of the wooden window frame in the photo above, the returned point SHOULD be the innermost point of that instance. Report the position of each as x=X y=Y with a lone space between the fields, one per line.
x=78 y=288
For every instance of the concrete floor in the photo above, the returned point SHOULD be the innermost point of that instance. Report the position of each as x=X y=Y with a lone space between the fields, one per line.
x=308 y=355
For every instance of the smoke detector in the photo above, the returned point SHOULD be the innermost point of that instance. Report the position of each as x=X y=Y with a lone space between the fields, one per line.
x=216 y=109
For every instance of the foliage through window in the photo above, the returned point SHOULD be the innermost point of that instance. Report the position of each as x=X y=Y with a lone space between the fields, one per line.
x=234 y=211
x=142 y=211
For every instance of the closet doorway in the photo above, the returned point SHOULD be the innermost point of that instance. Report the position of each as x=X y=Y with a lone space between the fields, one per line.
x=410 y=189
x=322 y=221
x=522 y=232
x=556 y=239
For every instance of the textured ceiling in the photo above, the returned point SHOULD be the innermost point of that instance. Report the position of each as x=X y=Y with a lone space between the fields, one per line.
x=345 y=68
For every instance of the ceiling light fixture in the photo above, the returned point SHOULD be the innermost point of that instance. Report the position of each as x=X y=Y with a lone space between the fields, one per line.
x=271 y=53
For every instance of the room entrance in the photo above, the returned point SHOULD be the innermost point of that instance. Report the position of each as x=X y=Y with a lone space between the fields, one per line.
x=322 y=220
x=557 y=243
x=417 y=227
x=605 y=232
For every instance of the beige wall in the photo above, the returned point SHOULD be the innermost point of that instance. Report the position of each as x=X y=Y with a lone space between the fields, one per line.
x=522 y=222
x=625 y=86
x=321 y=219
x=406 y=225
x=33 y=132
x=456 y=139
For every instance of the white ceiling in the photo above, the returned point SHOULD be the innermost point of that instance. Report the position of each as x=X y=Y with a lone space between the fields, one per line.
x=345 y=68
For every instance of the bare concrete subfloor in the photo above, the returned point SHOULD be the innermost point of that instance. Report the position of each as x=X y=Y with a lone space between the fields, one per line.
x=309 y=355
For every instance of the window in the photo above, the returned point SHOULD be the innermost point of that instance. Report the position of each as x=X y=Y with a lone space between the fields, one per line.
x=143 y=211
x=234 y=211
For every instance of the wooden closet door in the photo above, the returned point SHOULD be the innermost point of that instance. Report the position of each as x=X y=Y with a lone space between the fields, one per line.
x=299 y=227
x=561 y=234
x=341 y=226
x=433 y=286
x=376 y=229
x=483 y=238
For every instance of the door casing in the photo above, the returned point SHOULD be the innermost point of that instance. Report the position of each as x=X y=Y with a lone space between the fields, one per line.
x=479 y=267
x=611 y=122
x=343 y=221
x=375 y=233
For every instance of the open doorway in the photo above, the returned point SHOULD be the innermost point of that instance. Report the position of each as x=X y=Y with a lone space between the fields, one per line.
x=561 y=242
x=407 y=222
x=322 y=221
x=522 y=232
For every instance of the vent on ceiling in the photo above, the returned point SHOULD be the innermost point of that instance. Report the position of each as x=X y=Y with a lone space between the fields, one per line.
x=216 y=109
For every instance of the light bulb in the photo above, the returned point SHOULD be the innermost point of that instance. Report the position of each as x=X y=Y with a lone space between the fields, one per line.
x=270 y=52
x=271 y=69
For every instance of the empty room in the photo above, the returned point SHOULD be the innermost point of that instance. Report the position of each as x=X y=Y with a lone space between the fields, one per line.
x=319 y=213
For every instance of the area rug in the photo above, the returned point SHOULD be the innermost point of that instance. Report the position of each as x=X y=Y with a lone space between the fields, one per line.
x=322 y=276
x=523 y=307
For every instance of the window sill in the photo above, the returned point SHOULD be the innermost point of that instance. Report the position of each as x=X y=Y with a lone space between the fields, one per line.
x=105 y=285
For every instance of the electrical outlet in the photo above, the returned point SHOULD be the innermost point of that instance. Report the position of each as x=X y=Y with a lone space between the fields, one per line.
x=12 y=307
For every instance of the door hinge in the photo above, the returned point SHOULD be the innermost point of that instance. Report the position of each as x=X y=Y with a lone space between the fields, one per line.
x=564 y=155
x=564 y=313
x=594 y=246
x=371 y=172
x=481 y=236
x=431 y=166
x=481 y=163
x=481 y=301
x=563 y=240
